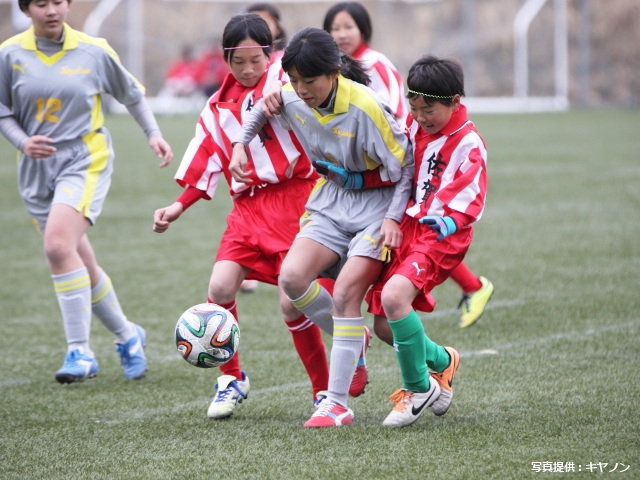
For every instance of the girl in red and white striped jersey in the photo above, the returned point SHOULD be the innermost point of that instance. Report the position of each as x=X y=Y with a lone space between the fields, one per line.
x=349 y=24
x=449 y=190
x=266 y=211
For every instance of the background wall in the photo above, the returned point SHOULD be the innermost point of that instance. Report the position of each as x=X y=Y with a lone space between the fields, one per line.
x=604 y=37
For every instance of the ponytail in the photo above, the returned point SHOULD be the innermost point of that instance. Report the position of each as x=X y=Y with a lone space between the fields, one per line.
x=353 y=69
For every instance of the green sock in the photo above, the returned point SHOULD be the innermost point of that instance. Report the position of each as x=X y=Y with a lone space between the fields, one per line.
x=437 y=357
x=409 y=344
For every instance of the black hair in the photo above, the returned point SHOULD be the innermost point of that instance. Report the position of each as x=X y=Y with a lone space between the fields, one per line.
x=264 y=7
x=357 y=12
x=244 y=26
x=439 y=79
x=280 y=40
x=314 y=52
x=24 y=4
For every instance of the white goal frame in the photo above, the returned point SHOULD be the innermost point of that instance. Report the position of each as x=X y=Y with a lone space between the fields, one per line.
x=521 y=101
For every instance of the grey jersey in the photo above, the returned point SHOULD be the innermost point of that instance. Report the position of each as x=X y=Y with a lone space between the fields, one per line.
x=359 y=134
x=60 y=95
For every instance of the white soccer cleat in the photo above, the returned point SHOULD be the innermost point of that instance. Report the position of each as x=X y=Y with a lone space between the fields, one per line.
x=249 y=286
x=409 y=406
x=231 y=391
x=445 y=380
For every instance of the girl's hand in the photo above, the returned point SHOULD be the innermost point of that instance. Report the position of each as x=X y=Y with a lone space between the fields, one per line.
x=271 y=99
x=391 y=234
x=163 y=217
x=162 y=150
x=238 y=164
x=37 y=146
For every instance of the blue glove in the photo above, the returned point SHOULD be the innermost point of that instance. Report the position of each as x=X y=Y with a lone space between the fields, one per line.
x=445 y=226
x=339 y=176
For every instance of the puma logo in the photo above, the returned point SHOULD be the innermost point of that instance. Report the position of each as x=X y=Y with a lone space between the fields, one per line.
x=372 y=240
x=302 y=119
x=418 y=269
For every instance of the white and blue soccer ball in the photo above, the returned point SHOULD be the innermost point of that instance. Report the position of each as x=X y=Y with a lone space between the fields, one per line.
x=207 y=335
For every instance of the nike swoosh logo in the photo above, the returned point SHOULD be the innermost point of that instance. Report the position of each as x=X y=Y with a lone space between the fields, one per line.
x=416 y=411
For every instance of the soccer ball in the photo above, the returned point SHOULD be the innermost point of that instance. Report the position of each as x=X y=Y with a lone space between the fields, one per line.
x=207 y=335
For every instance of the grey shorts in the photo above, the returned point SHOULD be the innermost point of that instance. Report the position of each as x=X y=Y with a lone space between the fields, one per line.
x=78 y=175
x=346 y=221
x=364 y=243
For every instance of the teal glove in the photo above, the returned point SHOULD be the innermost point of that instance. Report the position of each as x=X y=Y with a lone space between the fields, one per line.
x=445 y=226
x=339 y=176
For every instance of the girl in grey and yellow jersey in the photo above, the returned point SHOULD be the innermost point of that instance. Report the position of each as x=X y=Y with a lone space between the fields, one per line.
x=342 y=122
x=52 y=79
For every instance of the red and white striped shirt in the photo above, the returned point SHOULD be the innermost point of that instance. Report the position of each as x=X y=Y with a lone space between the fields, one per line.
x=275 y=155
x=385 y=79
x=451 y=170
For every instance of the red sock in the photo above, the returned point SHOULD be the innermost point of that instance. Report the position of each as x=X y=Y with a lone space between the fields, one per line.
x=307 y=340
x=232 y=367
x=328 y=284
x=464 y=277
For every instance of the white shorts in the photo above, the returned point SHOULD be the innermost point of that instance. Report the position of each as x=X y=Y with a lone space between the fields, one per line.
x=78 y=175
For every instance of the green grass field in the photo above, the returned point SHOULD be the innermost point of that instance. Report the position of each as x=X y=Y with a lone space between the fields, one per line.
x=550 y=374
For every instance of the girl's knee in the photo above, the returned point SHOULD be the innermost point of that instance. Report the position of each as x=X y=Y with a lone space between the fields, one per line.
x=382 y=330
x=221 y=292
x=56 y=250
x=293 y=282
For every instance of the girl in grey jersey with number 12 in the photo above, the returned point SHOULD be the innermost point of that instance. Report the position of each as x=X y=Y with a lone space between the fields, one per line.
x=52 y=78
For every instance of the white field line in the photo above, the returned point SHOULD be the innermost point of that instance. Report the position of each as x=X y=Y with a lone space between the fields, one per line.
x=277 y=389
x=455 y=312
x=141 y=414
x=566 y=336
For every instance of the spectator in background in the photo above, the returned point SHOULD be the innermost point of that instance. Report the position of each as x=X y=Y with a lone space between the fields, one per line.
x=181 y=78
x=212 y=68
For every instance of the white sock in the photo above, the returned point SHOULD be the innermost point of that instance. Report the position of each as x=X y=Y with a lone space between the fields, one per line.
x=73 y=291
x=106 y=307
x=348 y=334
x=317 y=305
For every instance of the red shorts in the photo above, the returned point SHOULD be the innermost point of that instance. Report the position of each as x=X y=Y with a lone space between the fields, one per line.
x=261 y=227
x=423 y=260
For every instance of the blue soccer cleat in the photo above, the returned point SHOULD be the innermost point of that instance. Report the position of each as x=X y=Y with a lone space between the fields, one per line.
x=132 y=358
x=77 y=367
